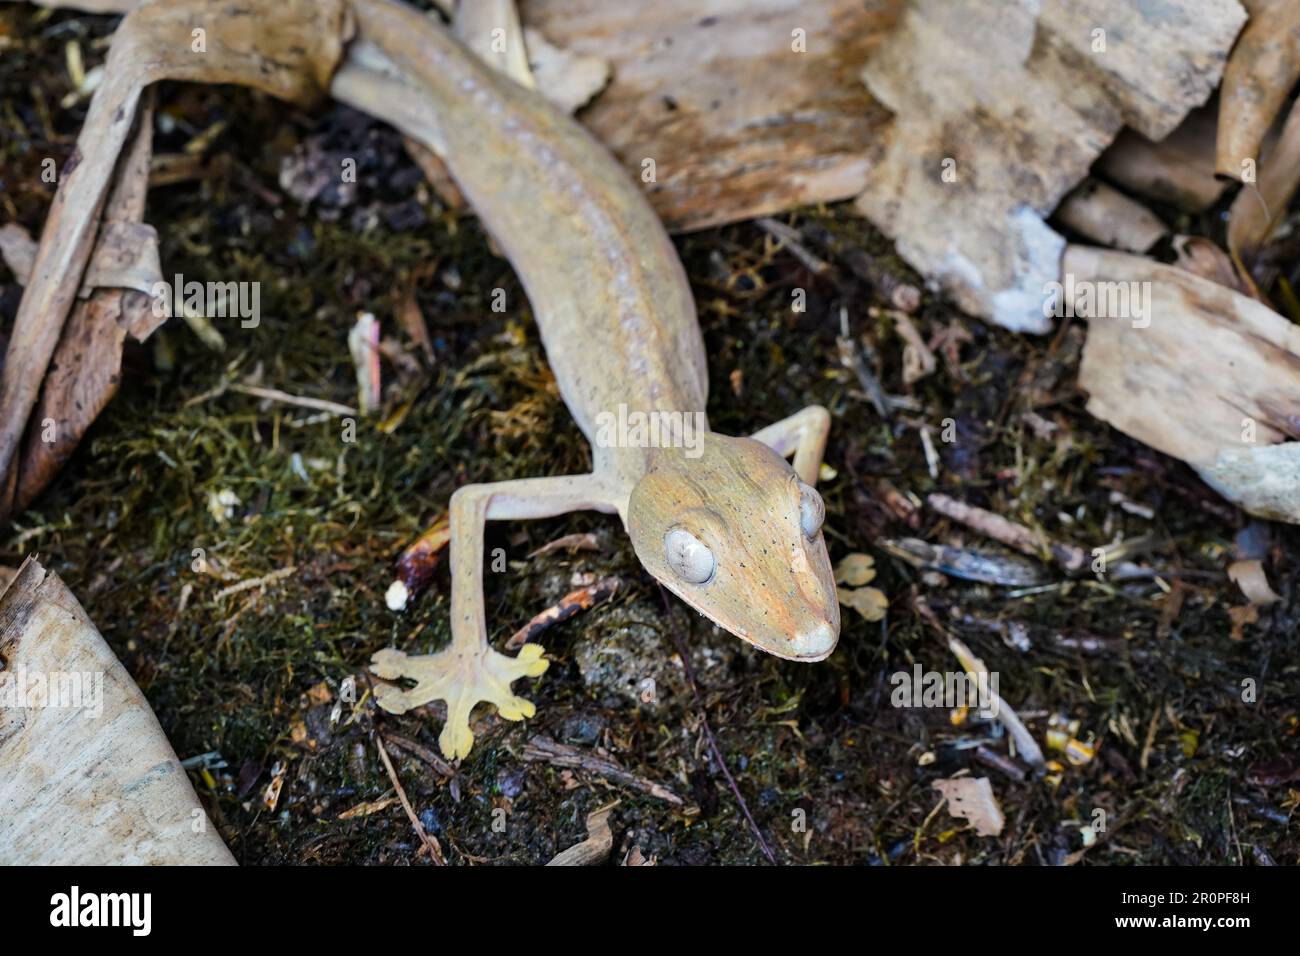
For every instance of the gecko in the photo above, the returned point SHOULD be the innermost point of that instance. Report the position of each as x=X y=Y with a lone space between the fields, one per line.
x=728 y=524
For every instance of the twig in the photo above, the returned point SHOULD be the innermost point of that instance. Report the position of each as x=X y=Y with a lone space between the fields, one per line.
x=275 y=395
x=902 y=295
x=430 y=842
x=684 y=654
x=789 y=238
x=254 y=583
x=548 y=750
x=571 y=605
x=419 y=750
x=1069 y=558
x=1000 y=762
x=851 y=358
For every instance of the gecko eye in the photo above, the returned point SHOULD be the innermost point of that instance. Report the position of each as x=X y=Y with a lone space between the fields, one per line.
x=812 y=510
x=688 y=557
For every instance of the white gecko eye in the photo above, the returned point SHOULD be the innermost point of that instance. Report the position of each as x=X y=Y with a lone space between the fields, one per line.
x=812 y=510
x=688 y=557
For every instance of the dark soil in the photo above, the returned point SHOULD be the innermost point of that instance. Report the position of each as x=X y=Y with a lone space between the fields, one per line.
x=1182 y=768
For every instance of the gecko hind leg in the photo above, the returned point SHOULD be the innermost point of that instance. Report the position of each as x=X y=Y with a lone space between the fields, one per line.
x=469 y=670
x=803 y=434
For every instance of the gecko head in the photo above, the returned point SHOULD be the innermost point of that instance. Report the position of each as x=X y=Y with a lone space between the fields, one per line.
x=736 y=535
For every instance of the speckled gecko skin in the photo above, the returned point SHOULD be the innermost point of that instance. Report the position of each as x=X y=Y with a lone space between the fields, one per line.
x=724 y=523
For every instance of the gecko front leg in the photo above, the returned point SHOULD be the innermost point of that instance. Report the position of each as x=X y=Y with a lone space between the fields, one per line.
x=469 y=670
x=803 y=434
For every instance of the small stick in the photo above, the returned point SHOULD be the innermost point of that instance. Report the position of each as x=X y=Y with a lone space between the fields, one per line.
x=901 y=295
x=430 y=843
x=1071 y=559
x=851 y=358
x=419 y=750
x=581 y=541
x=548 y=750
x=991 y=758
x=571 y=605
x=251 y=583
x=790 y=239
x=275 y=395
x=708 y=732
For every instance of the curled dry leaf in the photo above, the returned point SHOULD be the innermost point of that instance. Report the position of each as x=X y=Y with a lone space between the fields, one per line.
x=1261 y=205
x=1203 y=257
x=417 y=563
x=971 y=799
x=1250 y=577
x=1263 y=68
x=595 y=849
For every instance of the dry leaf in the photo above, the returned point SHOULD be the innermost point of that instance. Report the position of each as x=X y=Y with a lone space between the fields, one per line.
x=1263 y=68
x=855 y=569
x=869 y=602
x=1250 y=577
x=288 y=48
x=971 y=799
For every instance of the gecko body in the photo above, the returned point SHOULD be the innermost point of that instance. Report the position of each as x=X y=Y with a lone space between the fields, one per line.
x=723 y=522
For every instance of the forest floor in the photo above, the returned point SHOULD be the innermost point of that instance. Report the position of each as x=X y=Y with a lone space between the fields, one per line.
x=1175 y=759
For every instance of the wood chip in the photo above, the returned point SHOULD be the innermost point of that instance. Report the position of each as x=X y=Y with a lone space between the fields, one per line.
x=593 y=850
x=1204 y=374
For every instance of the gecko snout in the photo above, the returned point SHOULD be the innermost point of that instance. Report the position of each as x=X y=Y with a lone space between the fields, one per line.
x=815 y=643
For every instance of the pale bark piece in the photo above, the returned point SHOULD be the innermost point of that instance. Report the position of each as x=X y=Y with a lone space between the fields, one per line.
x=1261 y=206
x=1002 y=107
x=1202 y=373
x=1108 y=217
x=971 y=799
x=94 y=782
x=1178 y=169
x=492 y=30
x=1263 y=68
x=288 y=48
x=569 y=80
x=739 y=124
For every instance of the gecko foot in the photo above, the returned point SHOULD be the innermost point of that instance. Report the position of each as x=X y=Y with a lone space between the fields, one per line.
x=462 y=679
